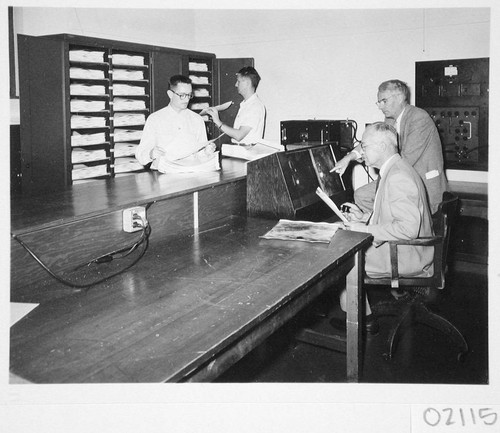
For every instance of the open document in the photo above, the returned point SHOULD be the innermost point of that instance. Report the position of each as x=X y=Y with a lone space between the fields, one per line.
x=306 y=231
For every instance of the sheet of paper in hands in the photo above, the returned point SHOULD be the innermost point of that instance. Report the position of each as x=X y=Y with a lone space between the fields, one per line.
x=307 y=231
x=220 y=107
x=196 y=163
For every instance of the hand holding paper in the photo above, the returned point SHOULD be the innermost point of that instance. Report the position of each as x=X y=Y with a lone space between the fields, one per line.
x=331 y=204
x=221 y=107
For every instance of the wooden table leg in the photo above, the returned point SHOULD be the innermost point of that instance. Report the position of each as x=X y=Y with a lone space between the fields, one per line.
x=354 y=287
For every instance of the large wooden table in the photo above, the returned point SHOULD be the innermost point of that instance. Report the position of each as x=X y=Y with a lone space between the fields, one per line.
x=192 y=307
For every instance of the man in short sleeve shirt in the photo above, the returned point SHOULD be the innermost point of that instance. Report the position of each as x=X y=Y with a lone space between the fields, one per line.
x=248 y=126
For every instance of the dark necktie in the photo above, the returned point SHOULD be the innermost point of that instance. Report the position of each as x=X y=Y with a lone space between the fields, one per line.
x=376 y=189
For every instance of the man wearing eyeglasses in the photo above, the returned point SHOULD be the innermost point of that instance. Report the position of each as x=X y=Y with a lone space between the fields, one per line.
x=400 y=211
x=248 y=125
x=419 y=144
x=174 y=132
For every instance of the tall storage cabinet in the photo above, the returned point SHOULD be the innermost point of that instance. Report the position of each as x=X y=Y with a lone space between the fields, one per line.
x=84 y=102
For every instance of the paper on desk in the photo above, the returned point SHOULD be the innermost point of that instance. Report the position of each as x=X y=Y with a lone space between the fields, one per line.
x=247 y=152
x=306 y=231
x=20 y=309
x=195 y=163
x=271 y=144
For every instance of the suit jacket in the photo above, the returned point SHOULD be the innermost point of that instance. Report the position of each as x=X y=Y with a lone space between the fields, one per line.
x=421 y=146
x=401 y=212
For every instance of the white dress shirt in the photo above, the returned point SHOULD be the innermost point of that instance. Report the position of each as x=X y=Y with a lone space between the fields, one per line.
x=178 y=133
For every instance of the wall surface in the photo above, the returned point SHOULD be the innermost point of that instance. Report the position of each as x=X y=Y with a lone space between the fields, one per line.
x=317 y=63
x=328 y=63
x=314 y=63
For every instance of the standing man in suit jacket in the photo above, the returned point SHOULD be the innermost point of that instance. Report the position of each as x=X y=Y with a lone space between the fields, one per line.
x=419 y=144
x=400 y=210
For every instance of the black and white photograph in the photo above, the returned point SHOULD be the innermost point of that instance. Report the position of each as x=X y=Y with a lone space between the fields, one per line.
x=250 y=217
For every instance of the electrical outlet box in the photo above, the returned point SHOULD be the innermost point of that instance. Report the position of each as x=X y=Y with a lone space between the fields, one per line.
x=134 y=219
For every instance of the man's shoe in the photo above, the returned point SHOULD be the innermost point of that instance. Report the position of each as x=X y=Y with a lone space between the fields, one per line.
x=371 y=324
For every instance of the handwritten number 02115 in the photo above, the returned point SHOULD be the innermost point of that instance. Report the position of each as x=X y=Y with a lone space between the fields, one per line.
x=465 y=417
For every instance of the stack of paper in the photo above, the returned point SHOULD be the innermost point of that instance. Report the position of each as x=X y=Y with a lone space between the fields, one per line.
x=128 y=74
x=78 y=140
x=199 y=80
x=81 y=171
x=199 y=67
x=124 y=104
x=84 y=155
x=127 y=89
x=201 y=93
x=87 y=122
x=79 y=105
x=124 y=165
x=86 y=74
x=86 y=89
x=126 y=59
x=199 y=105
x=247 y=152
x=127 y=135
x=86 y=56
x=129 y=119
x=124 y=149
x=197 y=163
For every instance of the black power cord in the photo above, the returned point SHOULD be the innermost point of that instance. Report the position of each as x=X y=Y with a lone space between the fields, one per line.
x=355 y=141
x=108 y=257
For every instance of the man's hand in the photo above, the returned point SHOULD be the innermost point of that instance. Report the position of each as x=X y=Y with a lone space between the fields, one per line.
x=353 y=213
x=214 y=114
x=342 y=165
x=210 y=148
x=156 y=152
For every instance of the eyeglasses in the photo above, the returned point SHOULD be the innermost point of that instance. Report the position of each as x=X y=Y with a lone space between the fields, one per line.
x=184 y=95
x=384 y=100
x=364 y=146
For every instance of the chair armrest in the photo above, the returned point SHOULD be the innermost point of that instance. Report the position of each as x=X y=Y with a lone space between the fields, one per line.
x=393 y=250
x=425 y=241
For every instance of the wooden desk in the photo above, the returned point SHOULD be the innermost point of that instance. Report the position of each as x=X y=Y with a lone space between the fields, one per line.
x=192 y=307
x=67 y=228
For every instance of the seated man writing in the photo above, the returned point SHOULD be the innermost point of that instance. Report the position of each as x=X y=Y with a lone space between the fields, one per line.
x=400 y=211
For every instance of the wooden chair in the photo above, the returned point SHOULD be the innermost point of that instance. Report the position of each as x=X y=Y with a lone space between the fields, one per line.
x=413 y=308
